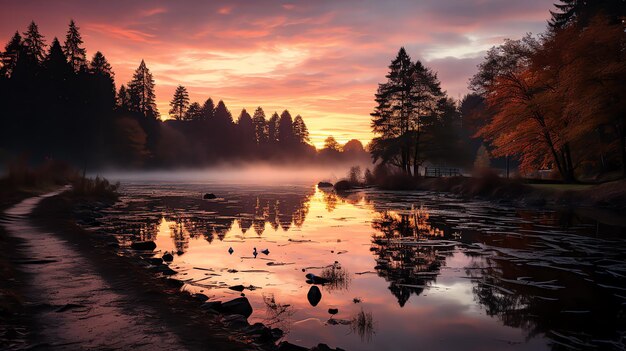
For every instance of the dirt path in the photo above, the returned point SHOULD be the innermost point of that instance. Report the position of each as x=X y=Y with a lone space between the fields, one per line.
x=74 y=308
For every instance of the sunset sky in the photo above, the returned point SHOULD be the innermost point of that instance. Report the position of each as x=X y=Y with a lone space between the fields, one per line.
x=320 y=59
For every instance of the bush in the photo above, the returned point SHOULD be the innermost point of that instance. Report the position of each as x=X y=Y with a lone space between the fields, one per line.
x=98 y=187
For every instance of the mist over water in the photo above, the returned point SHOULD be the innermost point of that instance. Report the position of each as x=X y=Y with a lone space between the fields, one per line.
x=255 y=174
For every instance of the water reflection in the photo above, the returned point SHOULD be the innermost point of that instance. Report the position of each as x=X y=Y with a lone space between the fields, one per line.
x=399 y=257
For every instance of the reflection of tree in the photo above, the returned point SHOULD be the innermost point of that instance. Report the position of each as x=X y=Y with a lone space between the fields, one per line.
x=330 y=199
x=277 y=315
x=363 y=325
x=402 y=260
x=338 y=277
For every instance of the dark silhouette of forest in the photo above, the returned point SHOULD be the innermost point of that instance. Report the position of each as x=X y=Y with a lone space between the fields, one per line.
x=58 y=104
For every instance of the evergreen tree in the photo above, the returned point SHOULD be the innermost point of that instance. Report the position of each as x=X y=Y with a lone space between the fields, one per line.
x=74 y=53
x=34 y=43
x=581 y=12
x=194 y=112
x=141 y=91
x=123 y=99
x=260 y=126
x=331 y=143
x=10 y=55
x=208 y=109
x=179 y=103
x=55 y=64
x=103 y=72
x=222 y=117
x=285 y=128
x=246 y=128
x=300 y=131
x=272 y=128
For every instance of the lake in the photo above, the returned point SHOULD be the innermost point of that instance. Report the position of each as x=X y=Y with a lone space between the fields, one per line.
x=407 y=270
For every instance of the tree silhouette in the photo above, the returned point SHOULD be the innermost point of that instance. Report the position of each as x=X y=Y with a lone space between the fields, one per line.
x=141 y=91
x=580 y=12
x=285 y=128
x=34 y=43
x=179 y=103
x=123 y=99
x=331 y=144
x=10 y=55
x=194 y=112
x=300 y=131
x=272 y=129
x=260 y=126
x=208 y=109
x=74 y=53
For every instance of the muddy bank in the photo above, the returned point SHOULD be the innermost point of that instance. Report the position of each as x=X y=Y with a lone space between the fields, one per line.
x=157 y=300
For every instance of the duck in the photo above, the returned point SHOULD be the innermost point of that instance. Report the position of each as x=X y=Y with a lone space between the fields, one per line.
x=254 y=252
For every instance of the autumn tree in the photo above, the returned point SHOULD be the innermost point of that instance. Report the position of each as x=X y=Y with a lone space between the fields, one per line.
x=74 y=53
x=179 y=103
x=141 y=91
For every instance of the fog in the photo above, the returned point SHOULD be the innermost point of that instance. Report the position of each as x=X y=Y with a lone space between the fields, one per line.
x=264 y=174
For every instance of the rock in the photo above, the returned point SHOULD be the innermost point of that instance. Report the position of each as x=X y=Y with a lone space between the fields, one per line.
x=175 y=282
x=287 y=346
x=236 y=321
x=237 y=288
x=324 y=185
x=168 y=257
x=265 y=252
x=230 y=250
x=143 y=245
x=313 y=279
x=314 y=295
x=333 y=310
x=163 y=269
x=201 y=297
x=154 y=261
x=212 y=305
x=343 y=185
x=209 y=196
x=240 y=305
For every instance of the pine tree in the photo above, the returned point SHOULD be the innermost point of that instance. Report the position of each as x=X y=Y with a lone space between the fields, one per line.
x=100 y=65
x=581 y=12
x=179 y=103
x=74 y=53
x=260 y=126
x=34 y=43
x=300 y=131
x=285 y=128
x=141 y=91
x=208 y=110
x=56 y=67
x=246 y=128
x=272 y=128
x=10 y=55
x=222 y=117
x=123 y=98
x=194 y=112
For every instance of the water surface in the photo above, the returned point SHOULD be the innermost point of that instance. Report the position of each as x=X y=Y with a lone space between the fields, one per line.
x=409 y=271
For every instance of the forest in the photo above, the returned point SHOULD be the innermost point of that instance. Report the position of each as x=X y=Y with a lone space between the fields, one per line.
x=59 y=105
x=552 y=103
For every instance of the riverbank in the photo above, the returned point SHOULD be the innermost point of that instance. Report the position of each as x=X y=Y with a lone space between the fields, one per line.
x=156 y=301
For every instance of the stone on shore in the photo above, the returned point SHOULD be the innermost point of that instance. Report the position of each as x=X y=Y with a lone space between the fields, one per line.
x=143 y=245
x=240 y=305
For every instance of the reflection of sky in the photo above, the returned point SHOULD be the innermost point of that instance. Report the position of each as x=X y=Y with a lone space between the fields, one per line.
x=442 y=317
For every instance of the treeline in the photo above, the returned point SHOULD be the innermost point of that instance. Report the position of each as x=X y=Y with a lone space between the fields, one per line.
x=557 y=102
x=57 y=104
x=552 y=106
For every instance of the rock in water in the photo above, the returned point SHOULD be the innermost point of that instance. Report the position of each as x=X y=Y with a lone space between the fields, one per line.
x=333 y=311
x=209 y=196
x=143 y=245
x=230 y=250
x=240 y=305
x=168 y=257
x=237 y=288
x=343 y=185
x=313 y=279
x=314 y=296
x=324 y=185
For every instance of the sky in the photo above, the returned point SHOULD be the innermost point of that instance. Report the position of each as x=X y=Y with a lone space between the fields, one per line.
x=320 y=59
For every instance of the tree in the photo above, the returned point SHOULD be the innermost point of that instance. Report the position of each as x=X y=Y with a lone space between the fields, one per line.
x=410 y=93
x=272 y=128
x=102 y=70
x=74 y=53
x=57 y=68
x=208 y=109
x=331 y=144
x=521 y=124
x=194 y=112
x=141 y=91
x=580 y=12
x=354 y=147
x=123 y=99
x=34 y=43
x=179 y=103
x=222 y=117
x=260 y=126
x=300 y=131
x=285 y=128
x=246 y=130
x=10 y=55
